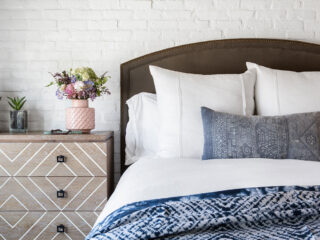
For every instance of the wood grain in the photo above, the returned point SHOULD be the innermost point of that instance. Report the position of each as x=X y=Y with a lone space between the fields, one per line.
x=43 y=225
x=40 y=159
x=40 y=137
x=30 y=177
x=40 y=193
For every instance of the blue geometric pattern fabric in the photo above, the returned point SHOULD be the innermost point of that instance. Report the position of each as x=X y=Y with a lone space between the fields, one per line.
x=254 y=213
x=295 y=136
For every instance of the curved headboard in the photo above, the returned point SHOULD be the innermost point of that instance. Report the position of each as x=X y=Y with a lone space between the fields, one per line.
x=212 y=57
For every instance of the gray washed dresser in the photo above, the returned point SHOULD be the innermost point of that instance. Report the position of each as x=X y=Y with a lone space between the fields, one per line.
x=53 y=186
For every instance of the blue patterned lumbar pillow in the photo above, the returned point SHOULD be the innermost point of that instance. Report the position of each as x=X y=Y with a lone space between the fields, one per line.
x=295 y=136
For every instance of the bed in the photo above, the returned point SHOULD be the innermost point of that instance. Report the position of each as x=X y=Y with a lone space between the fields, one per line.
x=187 y=198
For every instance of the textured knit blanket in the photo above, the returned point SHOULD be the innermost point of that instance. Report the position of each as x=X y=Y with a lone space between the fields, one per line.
x=253 y=213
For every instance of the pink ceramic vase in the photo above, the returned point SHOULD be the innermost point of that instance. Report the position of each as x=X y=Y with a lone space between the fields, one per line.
x=80 y=117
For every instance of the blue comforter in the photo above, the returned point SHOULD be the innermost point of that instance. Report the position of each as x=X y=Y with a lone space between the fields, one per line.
x=254 y=213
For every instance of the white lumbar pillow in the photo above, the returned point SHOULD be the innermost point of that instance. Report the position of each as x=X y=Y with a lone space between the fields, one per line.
x=142 y=128
x=280 y=92
x=180 y=97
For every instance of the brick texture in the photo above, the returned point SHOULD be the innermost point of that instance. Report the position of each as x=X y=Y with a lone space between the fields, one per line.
x=41 y=36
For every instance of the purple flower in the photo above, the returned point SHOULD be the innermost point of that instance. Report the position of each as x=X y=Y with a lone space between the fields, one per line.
x=92 y=96
x=73 y=79
x=89 y=84
x=59 y=94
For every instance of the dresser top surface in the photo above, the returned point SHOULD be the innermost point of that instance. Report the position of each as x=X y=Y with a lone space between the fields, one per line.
x=38 y=136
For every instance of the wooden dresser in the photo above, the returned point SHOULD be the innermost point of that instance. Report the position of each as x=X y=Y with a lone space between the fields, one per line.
x=53 y=186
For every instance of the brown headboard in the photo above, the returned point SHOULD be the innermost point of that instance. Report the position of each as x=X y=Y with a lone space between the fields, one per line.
x=218 y=56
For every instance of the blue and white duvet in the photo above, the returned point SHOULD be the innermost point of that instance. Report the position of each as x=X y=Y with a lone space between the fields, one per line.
x=253 y=213
x=222 y=199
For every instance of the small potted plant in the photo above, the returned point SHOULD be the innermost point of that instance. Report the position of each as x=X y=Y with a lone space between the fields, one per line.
x=18 y=117
x=79 y=85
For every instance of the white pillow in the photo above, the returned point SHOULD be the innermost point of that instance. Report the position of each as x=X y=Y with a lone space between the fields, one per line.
x=142 y=128
x=180 y=97
x=281 y=92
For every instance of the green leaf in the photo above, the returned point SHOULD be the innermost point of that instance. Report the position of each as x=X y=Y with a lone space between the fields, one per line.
x=102 y=76
x=12 y=100
x=21 y=105
x=16 y=102
x=12 y=106
x=50 y=84
x=20 y=100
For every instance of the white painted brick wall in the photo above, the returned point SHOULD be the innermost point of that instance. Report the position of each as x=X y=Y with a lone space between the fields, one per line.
x=41 y=36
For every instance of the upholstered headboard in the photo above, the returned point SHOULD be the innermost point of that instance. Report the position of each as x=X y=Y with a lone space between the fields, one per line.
x=219 y=56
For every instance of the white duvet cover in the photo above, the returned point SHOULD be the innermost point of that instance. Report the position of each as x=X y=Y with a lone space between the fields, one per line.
x=161 y=178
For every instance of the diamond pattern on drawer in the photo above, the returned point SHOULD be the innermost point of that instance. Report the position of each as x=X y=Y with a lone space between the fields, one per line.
x=13 y=153
x=40 y=159
x=43 y=225
x=13 y=159
x=17 y=196
x=12 y=203
x=46 y=184
x=40 y=193
x=12 y=221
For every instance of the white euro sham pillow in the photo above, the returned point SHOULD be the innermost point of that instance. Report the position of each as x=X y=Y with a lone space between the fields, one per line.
x=280 y=92
x=142 y=128
x=180 y=97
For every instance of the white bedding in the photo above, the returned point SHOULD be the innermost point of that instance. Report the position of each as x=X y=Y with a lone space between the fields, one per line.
x=160 y=178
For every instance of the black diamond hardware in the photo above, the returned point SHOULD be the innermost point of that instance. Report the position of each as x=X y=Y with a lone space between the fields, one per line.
x=61 y=194
x=60 y=158
x=60 y=228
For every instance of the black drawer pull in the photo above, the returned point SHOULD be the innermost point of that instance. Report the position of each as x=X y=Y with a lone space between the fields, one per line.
x=61 y=194
x=60 y=158
x=60 y=228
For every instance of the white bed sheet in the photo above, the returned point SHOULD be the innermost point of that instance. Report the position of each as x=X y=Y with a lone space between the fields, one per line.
x=151 y=178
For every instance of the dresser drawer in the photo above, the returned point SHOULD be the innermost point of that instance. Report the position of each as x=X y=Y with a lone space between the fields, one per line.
x=43 y=225
x=40 y=193
x=53 y=159
x=34 y=168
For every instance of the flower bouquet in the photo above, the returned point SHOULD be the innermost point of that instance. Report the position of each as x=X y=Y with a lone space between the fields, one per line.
x=79 y=85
